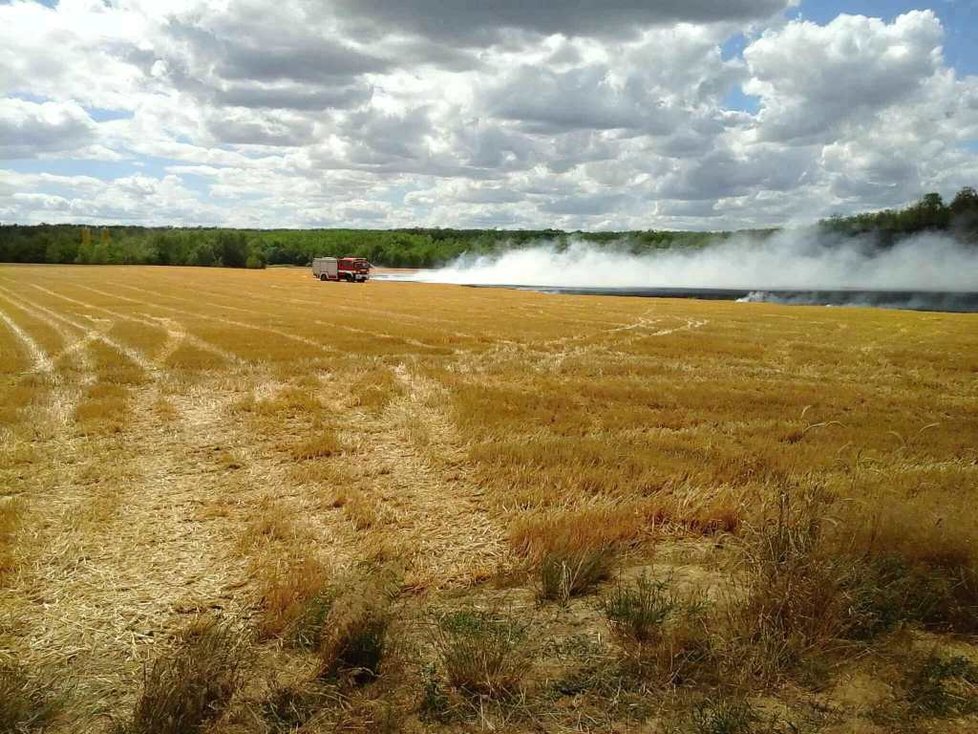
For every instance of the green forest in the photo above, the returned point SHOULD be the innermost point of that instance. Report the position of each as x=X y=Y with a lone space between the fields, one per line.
x=252 y=248
x=959 y=218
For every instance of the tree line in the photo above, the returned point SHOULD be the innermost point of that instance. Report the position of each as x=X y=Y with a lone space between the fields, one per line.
x=239 y=248
x=415 y=247
x=930 y=214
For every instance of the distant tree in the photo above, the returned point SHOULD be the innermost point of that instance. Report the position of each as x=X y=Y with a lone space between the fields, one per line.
x=966 y=200
x=964 y=214
x=232 y=249
x=203 y=254
x=928 y=213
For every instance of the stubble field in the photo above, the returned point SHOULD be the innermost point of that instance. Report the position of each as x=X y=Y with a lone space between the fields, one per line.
x=399 y=506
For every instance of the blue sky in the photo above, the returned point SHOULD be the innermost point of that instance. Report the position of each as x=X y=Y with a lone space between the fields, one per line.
x=577 y=114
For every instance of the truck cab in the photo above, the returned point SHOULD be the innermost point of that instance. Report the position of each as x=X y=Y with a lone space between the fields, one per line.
x=353 y=269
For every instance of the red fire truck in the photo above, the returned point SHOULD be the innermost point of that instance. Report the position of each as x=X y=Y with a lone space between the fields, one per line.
x=350 y=269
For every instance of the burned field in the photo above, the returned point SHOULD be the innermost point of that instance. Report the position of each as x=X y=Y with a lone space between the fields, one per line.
x=240 y=501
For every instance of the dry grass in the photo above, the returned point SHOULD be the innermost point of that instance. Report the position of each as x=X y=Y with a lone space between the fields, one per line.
x=374 y=389
x=27 y=703
x=567 y=572
x=354 y=636
x=11 y=512
x=190 y=685
x=190 y=439
x=194 y=359
x=321 y=443
x=541 y=534
x=292 y=595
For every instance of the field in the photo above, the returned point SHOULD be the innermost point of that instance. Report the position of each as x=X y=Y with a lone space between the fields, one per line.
x=399 y=506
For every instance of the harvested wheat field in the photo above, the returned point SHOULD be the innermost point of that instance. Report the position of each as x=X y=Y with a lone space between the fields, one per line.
x=248 y=501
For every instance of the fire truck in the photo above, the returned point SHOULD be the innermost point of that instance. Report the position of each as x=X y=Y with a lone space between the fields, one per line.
x=350 y=269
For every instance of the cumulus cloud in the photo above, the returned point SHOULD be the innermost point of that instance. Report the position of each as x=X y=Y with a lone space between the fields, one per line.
x=128 y=199
x=573 y=114
x=478 y=22
x=29 y=129
x=813 y=78
x=582 y=98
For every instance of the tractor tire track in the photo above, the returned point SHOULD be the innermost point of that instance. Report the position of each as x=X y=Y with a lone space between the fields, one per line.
x=120 y=551
x=215 y=319
x=176 y=332
x=332 y=325
x=436 y=515
x=117 y=583
x=74 y=344
x=42 y=361
x=92 y=333
x=63 y=397
x=344 y=327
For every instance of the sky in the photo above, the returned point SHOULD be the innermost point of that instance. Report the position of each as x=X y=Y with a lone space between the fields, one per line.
x=570 y=114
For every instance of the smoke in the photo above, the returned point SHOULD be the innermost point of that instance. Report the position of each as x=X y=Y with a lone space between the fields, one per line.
x=794 y=260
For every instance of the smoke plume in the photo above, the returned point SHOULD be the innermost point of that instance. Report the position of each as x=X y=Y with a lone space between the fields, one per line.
x=787 y=261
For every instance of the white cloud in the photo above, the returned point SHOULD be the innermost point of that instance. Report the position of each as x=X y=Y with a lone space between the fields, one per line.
x=130 y=199
x=29 y=129
x=571 y=114
x=811 y=79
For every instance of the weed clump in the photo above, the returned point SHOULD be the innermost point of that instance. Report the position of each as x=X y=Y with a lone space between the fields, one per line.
x=306 y=629
x=354 y=637
x=638 y=611
x=435 y=704
x=287 y=708
x=567 y=572
x=294 y=599
x=26 y=703
x=723 y=716
x=728 y=715
x=483 y=653
x=925 y=568
x=813 y=581
x=794 y=600
x=664 y=637
x=941 y=687
x=192 y=684
x=886 y=591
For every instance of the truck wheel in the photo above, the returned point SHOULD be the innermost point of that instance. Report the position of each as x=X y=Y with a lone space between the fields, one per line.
x=323 y=276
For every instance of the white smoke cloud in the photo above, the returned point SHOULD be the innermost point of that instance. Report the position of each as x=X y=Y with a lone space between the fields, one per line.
x=797 y=260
